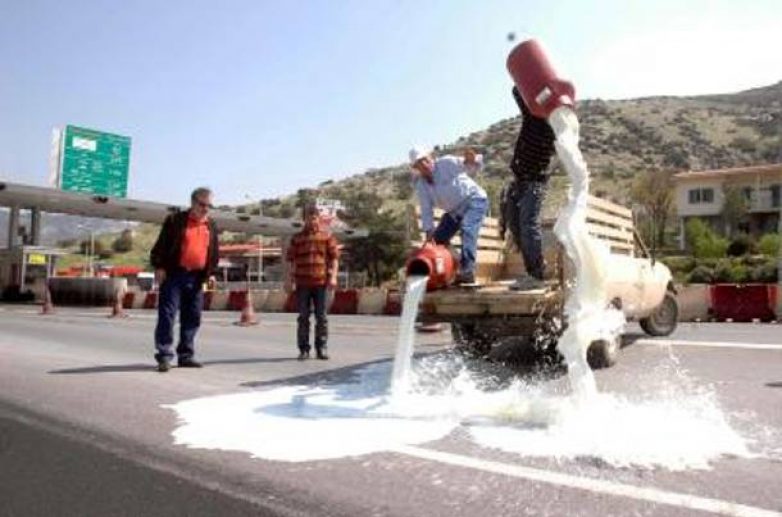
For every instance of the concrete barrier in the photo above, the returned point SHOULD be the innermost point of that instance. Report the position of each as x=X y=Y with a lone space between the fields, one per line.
x=393 y=303
x=259 y=298
x=694 y=302
x=345 y=302
x=742 y=303
x=275 y=301
x=372 y=301
x=94 y=292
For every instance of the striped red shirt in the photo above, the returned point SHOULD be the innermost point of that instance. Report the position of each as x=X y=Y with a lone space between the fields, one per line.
x=312 y=253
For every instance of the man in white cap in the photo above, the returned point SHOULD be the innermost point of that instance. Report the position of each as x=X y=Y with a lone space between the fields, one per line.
x=447 y=183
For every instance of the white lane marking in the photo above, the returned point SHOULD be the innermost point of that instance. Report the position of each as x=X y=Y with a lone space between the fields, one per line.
x=708 y=344
x=601 y=486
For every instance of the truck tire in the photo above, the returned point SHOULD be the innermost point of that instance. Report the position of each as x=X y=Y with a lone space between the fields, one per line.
x=662 y=322
x=603 y=353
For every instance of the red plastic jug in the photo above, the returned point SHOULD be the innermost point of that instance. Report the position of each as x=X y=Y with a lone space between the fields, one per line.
x=541 y=89
x=435 y=261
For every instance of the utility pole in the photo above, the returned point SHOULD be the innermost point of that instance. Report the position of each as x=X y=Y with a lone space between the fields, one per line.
x=91 y=248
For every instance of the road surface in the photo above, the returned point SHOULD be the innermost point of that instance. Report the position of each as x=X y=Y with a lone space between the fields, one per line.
x=83 y=430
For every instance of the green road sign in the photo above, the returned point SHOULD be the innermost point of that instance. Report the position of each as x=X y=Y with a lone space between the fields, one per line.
x=94 y=162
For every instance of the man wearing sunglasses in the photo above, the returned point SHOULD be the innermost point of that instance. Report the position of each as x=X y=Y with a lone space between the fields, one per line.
x=184 y=257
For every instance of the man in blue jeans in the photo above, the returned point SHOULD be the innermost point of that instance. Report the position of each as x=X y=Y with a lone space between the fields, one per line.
x=184 y=257
x=522 y=199
x=447 y=183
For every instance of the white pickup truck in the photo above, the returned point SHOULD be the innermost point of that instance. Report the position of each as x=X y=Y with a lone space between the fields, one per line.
x=481 y=318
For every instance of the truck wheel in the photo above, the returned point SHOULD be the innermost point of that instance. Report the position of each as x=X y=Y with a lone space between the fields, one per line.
x=663 y=320
x=603 y=353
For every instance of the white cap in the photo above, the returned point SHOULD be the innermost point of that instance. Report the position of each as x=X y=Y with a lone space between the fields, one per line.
x=418 y=152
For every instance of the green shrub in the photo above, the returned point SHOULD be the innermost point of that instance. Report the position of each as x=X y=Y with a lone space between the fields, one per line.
x=769 y=244
x=741 y=245
x=722 y=272
x=740 y=274
x=702 y=240
x=766 y=273
x=701 y=275
x=711 y=247
x=679 y=264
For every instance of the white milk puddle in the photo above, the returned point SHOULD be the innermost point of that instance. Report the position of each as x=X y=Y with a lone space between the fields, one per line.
x=678 y=427
x=670 y=422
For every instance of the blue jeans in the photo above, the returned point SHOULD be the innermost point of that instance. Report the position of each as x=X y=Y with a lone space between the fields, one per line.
x=181 y=291
x=306 y=298
x=529 y=200
x=470 y=224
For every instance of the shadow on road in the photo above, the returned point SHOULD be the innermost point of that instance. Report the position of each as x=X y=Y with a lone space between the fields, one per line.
x=107 y=368
x=342 y=375
x=774 y=384
x=629 y=339
x=143 y=367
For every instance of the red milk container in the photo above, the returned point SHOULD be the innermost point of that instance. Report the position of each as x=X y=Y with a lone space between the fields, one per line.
x=541 y=89
x=435 y=261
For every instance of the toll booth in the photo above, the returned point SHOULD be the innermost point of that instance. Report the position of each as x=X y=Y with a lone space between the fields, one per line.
x=24 y=271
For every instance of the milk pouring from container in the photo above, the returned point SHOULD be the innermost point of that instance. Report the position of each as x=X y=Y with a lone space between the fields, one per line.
x=541 y=89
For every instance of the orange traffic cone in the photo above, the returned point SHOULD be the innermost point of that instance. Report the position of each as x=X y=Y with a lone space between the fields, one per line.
x=117 y=310
x=47 y=307
x=248 y=318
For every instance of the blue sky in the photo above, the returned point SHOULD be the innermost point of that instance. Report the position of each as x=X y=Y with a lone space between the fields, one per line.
x=259 y=98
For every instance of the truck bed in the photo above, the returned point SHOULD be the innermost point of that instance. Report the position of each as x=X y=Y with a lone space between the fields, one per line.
x=496 y=299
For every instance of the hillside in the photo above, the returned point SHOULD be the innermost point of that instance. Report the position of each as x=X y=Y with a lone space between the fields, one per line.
x=619 y=139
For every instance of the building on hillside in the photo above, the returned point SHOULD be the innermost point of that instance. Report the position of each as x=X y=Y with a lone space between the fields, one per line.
x=702 y=194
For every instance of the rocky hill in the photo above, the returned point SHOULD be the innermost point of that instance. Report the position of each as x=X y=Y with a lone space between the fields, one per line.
x=619 y=139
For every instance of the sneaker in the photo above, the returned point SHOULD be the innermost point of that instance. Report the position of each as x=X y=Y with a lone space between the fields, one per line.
x=465 y=279
x=189 y=363
x=304 y=355
x=163 y=366
x=528 y=283
x=322 y=354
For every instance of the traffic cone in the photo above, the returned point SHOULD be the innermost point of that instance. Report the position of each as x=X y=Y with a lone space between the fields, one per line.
x=47 y=308
x=248 y=318
x=117 y=310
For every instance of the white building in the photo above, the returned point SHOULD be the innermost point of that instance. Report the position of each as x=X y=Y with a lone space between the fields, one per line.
x=701 y=194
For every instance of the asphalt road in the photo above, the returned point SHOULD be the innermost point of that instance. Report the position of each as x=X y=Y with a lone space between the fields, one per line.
x=82 y=430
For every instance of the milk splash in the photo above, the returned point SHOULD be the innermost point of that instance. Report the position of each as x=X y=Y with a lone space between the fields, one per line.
x=676 y=428
x=588 y=316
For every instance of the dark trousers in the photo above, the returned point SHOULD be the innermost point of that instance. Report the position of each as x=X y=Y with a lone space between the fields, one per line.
x=529 y=201
x=181 y=291
x=306 y=299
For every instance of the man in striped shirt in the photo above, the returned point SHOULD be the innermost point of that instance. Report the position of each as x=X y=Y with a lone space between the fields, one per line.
x=523 y=197
x=313 y=256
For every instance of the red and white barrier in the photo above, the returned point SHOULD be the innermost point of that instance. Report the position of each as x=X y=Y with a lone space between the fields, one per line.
x=697 y=302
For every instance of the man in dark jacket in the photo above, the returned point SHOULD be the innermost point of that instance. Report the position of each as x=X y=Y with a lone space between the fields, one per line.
x=523 y=197
x=184 y=257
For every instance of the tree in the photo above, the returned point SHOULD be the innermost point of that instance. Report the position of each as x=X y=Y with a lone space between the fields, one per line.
x=383 y=251
x=734 y=208
x=653 y=190
x=123 y=243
